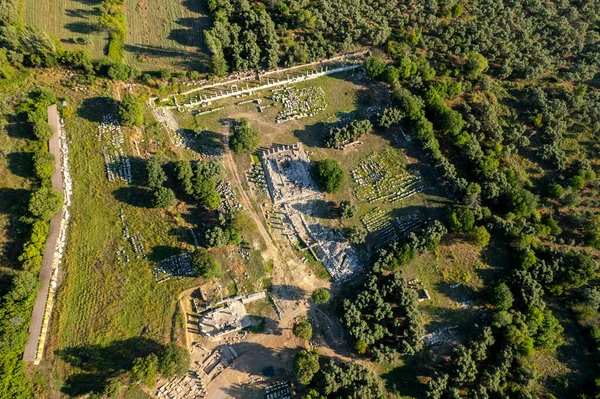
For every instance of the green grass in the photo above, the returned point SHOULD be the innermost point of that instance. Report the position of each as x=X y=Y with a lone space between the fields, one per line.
x=166 y=34
x=103 y=300
x=68 y=21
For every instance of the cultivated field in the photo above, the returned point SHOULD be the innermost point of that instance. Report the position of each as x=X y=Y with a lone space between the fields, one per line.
x=160 y=34
x=166 y=34
x=74 y=22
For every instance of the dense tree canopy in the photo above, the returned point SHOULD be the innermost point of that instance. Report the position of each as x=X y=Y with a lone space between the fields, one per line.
x=329 y=175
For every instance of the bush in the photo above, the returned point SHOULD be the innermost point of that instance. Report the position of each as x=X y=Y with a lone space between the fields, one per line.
x=145 y=369
x=173 y=361
x=163 y=197
x=204 y=264
x=45 y=202
x=320 y=295
x=155 y=172
x=43 y=163
x=375 y=67
x=42 y=131
x=329 y=175
x=244 y=139
x=303 y=329
x=480 y=236
x=502 y=298
x=347 y=209
x=131 y=110
x=306 y=365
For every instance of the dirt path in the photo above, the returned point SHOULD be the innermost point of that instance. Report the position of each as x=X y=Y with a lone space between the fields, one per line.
x=37 y=317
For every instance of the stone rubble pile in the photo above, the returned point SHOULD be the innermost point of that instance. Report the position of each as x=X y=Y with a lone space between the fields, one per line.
x=117 y=165
x=378 y=178
x=176 y=265
x=229 y=200
x=299 y=103
x=378 y=222
x=136 y=240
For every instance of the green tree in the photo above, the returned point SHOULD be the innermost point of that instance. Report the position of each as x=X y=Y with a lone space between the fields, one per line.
x=113 y=388
x=173 y=360
x=329 y=175
x=131 y=110
x=502 y=297
x=244 y=139
x=45 y=202
x=218 y=65
x=163 y=197
x=204 y=264
x=462 y=219
x=320 y=295
x=185 y=174
x=375 y=67
x=43 y=163
x=356 y=235
x=480 y=236
x=306 y=365
x=145 y=369
x=303 y=329
x=476 y=64
x=155 y=172
x=42 y=131
x=347 y=209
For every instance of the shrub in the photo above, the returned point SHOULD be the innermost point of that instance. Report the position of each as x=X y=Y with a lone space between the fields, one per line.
x=204 y=264
x=163 y=197
x=42 y=131
x=347 y=209
x=303 y=329
x=244 y=139
x=45 y=202
x=131 y=110
x=329 y=175
x=306 y=365
x=173 y=361
x=43 y=163
x=320 y=295
x=480 y=236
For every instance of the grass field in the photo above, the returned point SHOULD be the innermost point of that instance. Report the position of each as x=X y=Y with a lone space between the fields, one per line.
x=160 y=33
x=105 y=302
x=166 y=34
x=69 y=21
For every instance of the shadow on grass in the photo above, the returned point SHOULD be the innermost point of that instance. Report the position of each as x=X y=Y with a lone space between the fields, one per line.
x=98 y=363
x=82 y=27
x=135 y=196
x=82 y=13
x=94 y=109
x=161 y=252
x=21 y=163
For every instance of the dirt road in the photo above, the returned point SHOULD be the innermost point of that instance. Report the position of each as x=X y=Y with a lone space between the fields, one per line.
x=37 y=317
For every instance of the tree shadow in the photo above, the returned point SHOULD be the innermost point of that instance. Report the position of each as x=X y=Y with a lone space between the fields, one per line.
x=288 y=292
x=96 y=108
x=98 y=363
x=135 y=196
x=82 y=13
x=82 y=27
x=161 y=252
x=318 y=208
x=21 y=164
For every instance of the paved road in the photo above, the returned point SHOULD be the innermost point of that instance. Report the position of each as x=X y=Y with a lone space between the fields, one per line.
x=37 y=317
